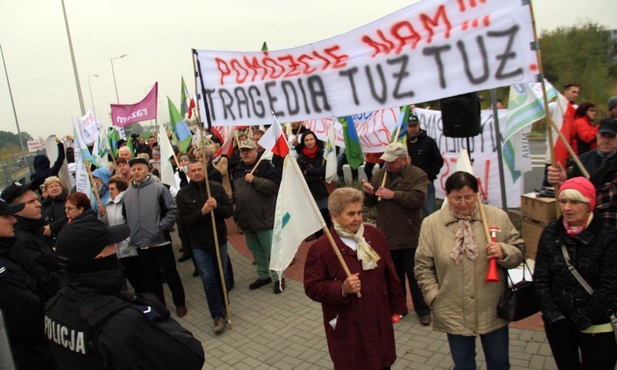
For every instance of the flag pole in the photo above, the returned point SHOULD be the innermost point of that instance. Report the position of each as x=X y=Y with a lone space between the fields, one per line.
x=383 y=181
x=216 y=243
x=549 y=119
x=95 y=190
x=324 y=227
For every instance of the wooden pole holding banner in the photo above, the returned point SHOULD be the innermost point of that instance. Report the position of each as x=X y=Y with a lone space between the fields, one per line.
x=504 y=202
x=549 y=119
x=95 y=190
x=216 y=242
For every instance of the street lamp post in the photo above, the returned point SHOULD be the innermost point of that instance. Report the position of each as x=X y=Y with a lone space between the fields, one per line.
x=8 y=83
x=91 y=96
x=68 y=34
x=114 y=74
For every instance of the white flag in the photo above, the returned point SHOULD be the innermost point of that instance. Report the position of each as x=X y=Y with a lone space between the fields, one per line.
x=101 y=149
x=296 y=216
x=167 y=172
x=330 y=154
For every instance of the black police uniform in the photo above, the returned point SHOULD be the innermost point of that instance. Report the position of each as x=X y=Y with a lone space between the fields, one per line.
x=22 y=308
x=90 y=326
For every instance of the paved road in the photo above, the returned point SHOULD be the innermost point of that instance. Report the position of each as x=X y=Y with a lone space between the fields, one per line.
x=286 y=331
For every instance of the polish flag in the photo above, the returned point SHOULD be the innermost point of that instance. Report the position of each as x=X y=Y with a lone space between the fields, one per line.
x=274 y=140
x=227 y=148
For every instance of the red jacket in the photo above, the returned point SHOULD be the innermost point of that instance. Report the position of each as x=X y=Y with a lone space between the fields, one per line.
x=364 y=336
x=583 y=135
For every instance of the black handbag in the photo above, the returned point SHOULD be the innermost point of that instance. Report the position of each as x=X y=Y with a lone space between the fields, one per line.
x=518 y=301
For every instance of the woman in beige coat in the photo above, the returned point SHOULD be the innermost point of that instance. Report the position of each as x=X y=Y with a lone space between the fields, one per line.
x=451 y=264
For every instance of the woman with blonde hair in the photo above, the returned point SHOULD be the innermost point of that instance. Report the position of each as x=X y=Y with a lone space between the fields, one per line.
x=52 y=207
x=358 y=330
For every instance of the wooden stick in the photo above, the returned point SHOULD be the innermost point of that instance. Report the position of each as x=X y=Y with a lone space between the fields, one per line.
x=483 y=217
x=383 y=181
x=216 y=243
x=92 y=183
x=338 y=255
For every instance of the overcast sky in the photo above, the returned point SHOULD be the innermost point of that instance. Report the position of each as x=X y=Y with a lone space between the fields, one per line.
x=158 y=37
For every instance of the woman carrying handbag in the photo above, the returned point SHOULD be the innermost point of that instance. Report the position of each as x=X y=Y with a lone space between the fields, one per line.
x=577 y=324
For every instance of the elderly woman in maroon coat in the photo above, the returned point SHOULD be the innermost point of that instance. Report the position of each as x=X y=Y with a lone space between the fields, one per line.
x=359 y=330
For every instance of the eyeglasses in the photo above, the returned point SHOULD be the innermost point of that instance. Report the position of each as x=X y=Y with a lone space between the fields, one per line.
x=467 y=198
x=69 y=208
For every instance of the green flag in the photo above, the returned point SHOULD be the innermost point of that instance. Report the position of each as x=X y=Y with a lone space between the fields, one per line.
x=353 y=151
x=179 y=127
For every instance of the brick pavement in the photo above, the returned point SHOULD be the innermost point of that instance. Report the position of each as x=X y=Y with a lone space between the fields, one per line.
x=285 y=331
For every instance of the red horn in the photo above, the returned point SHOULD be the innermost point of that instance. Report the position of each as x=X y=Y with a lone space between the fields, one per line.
x=492 y=275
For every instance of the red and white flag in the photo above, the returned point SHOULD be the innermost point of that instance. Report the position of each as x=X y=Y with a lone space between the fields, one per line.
x=226 y=135
x=274 y=140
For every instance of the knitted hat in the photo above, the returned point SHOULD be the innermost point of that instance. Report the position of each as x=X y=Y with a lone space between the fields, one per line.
x=583 y=186
x=612 y=102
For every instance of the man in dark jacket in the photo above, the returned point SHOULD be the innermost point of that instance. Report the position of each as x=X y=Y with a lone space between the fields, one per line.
x=90 y=324
x=35 y=251
x=20 y=303
x=195 y=207
x=41 y=165
x=424 y=154
x=399 y=215
x=256 y=190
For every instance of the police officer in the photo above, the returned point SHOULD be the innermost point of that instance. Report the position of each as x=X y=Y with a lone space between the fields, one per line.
x=90 y=324
x=20 y=302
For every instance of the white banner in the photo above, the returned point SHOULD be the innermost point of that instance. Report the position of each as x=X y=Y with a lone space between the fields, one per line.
x=89 y=127
x=427 y=51
x=483 y=152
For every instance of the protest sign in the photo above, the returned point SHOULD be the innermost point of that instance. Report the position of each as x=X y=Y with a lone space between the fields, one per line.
x=429 y=50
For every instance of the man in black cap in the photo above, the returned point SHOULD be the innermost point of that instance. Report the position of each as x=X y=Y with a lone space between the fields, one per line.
x=424 y=154
x=20 y=303
x=35 y=251
x=594 y=159
x=90 y=324
x=151 y=213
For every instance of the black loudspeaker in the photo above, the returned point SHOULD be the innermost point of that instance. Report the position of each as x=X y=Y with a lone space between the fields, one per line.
x=461 y=115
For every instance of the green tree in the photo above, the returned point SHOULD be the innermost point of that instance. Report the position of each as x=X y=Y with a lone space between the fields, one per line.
x=580 y=54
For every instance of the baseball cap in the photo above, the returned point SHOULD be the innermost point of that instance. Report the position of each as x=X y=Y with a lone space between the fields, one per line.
x=84 y=238
x=394 y=151
x=248 y=144
x=7 y=209
x=16 y=190
x=412 y=119
x=608 y=126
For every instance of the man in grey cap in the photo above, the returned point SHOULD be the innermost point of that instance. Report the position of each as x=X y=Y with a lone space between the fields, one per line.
x=399 y=215
x=151 y=213
x=20 y=302
x=257 y=187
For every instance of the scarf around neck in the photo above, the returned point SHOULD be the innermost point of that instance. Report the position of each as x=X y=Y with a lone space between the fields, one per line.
x=311 y=153
x=464 y=242
x=573 y=231
x=366 y=253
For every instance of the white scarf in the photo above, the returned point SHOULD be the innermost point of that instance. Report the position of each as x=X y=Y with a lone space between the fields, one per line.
x=366 y=254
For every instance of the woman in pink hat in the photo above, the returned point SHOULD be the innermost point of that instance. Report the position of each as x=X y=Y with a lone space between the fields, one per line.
x=577 y=325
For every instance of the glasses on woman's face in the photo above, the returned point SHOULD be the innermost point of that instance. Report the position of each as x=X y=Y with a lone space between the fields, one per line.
x=467 y=198
x=69 y=208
